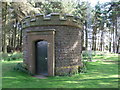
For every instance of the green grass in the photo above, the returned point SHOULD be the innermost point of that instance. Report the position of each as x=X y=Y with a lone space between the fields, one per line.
x=99 y=75
x=106 y=56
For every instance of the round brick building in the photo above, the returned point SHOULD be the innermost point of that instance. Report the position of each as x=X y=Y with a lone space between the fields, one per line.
x=52 y=44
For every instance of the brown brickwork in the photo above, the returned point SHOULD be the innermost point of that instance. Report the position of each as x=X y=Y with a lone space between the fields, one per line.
x=64 y=38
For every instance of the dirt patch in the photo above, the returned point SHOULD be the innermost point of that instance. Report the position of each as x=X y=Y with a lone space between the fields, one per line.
x=40 y=76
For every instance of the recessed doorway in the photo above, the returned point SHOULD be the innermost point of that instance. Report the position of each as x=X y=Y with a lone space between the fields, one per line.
x=41 y=58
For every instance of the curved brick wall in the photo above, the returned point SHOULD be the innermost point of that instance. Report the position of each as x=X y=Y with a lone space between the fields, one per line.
x=67 y=38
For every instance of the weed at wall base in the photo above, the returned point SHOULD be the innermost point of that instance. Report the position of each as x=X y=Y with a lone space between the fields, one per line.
x=22 y=67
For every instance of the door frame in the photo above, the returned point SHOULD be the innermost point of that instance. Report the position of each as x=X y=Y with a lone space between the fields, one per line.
x=32 y=37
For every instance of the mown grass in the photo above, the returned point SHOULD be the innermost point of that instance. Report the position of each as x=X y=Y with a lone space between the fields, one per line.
x=99 y=75
x=107 y=56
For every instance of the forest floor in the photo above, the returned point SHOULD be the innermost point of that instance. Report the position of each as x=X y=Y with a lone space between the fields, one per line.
x=101 y=73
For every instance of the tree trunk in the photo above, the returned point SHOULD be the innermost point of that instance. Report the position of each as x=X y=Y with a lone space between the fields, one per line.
x=101 y=42
x=4 y=30
x=82 y=37
x=86 y=38
x=4 y=41
x=0 y=26
x=21 y=40
x=95 y=42
x=118 y=46
x=116 y=36
x=109 y=46
x=93 y=39
x=92 y=42
x=113 y=38
x=14 y=38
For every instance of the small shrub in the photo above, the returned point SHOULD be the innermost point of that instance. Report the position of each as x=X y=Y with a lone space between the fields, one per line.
x=12 y=56
x=87 y=55
x=15 y=56
x=5 y=56
x=22 y=67
x=83 y=69
x=93 y=53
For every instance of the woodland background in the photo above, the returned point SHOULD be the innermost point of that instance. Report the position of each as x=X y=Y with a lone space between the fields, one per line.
x=100 y=22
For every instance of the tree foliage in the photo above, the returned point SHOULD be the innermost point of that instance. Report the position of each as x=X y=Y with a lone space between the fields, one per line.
x=102 y=18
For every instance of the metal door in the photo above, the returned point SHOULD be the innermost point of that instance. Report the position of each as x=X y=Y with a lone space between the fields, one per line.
x=41 y=58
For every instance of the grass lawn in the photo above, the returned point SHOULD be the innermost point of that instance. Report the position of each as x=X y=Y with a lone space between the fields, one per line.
x=99 y=75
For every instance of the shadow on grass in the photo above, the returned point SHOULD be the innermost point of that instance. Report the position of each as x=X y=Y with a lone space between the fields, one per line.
x=47 y=83
x=99 y=75
x=112 y=58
